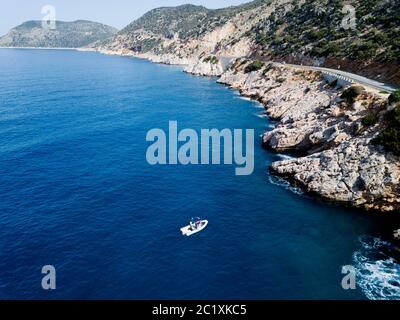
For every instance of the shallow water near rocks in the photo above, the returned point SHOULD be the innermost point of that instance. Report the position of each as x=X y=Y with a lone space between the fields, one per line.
x=77 y=193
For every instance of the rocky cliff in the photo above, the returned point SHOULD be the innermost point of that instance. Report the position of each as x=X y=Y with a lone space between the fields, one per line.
x=330 y=128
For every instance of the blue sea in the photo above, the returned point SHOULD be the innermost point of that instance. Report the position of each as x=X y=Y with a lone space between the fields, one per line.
x=76 y=192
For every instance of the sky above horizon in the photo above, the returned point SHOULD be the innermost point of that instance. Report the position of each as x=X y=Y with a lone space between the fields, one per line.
x=117 y=13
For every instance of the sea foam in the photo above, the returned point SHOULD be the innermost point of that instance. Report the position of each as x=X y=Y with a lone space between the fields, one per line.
x=378 y=274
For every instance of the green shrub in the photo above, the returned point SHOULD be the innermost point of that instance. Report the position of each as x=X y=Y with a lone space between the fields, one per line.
x=379 y=37
x=254 y=66
x=324 y=49
x=332 y=48
x=314 y=35
x=390 y=137
x=318 y=51
x=350 y=94
x=277 y=41
x=369 y=120
x=363 y=50
x=267 y=68
x=394 y=97
x=211 y=59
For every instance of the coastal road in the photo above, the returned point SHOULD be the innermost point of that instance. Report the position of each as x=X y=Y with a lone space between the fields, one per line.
x=347 y=76
x=343 y=75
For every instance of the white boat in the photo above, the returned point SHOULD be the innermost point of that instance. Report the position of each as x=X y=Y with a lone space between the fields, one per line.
x=196 y=225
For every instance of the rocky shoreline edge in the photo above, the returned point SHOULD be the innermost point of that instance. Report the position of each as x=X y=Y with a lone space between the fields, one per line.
x=328 y=123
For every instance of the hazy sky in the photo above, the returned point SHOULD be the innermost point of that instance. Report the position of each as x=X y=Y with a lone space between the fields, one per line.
x=117 y=13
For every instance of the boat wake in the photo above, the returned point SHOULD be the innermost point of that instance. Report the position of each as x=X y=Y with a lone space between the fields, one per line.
x=378 y=274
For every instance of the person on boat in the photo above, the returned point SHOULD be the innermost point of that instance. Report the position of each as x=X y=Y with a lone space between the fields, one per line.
x=195 y=223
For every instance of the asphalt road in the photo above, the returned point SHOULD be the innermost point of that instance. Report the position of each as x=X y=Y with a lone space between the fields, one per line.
x=350 y=77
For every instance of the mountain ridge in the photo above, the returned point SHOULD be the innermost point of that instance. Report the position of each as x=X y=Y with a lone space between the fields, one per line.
x=295 y=31
x=67 y=34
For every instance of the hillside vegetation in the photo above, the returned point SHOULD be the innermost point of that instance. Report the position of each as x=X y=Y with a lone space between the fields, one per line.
x=314 y=28
x=306 y=31
x=66 y=35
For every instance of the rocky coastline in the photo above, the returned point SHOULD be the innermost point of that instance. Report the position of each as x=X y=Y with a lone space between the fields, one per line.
x=335 y=159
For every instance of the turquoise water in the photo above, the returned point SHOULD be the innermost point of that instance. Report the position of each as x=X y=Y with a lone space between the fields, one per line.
x=77 y=192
